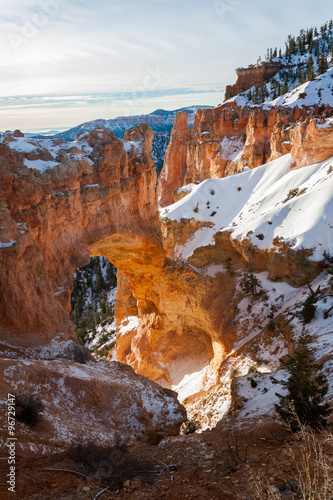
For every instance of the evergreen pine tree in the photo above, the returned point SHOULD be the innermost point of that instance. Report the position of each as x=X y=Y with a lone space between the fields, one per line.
x=322 y=65
x=307 y=388
x=250 y=284
x=284 y=89
x=316 y=48
x=310 y=69
x=309 y=308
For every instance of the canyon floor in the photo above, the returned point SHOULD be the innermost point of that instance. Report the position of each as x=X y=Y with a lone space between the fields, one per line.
x=225 y=463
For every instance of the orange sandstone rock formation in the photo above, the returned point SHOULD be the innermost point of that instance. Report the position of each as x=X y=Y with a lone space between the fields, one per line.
x=252 y=76
x=175 y=157
x=97 y=199
x=312 y=141
x=61 y=203
x=227 y=139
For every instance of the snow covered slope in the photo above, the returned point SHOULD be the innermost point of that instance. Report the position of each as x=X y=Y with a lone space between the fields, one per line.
x=317 y=92
x=259 y=205
x=307 y=56
x=271 y=201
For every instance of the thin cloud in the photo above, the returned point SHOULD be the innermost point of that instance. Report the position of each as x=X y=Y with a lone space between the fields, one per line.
x=89 y=53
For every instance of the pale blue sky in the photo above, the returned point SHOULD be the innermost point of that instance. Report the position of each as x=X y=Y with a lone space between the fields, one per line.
x=64 y=62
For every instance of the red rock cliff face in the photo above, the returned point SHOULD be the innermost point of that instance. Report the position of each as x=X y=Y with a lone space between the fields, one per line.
x=312 y=140
x=252 y=76
x=101 y=203
x=217 y=137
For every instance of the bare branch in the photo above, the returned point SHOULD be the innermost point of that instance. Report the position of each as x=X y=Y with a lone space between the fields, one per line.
x=66 y=470
x=101 y=492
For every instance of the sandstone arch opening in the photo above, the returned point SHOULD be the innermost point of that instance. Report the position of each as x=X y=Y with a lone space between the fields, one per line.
x=102 y=203
x=92 y=306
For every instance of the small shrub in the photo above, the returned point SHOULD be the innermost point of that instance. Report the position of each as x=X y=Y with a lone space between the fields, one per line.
x=120 y=441
x=329 y=263
x=292 y=193
x=28 y=408
x=196 y=208
x=213 y=213
x=251 y=285
x=253 y=383
x=302 y=191
x=270 y=222
x=312 y=464
x=260 y=236
x=271 y=321
x=190 y=427
x=229 y=266
x=212 y=192
x=111 y=464
x=103 y=352
x=239 y=188
x=309 y=308
x=82 y=335
x=330 y=169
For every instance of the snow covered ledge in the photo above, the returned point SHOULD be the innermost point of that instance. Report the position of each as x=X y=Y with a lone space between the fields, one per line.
x=270 y=209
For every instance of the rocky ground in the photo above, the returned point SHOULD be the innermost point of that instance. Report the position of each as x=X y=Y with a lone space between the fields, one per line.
x=225 y=463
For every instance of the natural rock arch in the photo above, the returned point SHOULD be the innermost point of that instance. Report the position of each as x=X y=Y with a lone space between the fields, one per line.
x=98 y=200
x=101 y=203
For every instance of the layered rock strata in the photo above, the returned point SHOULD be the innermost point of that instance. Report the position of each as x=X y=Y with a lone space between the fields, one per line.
x=252 y=76
x=230 y=138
